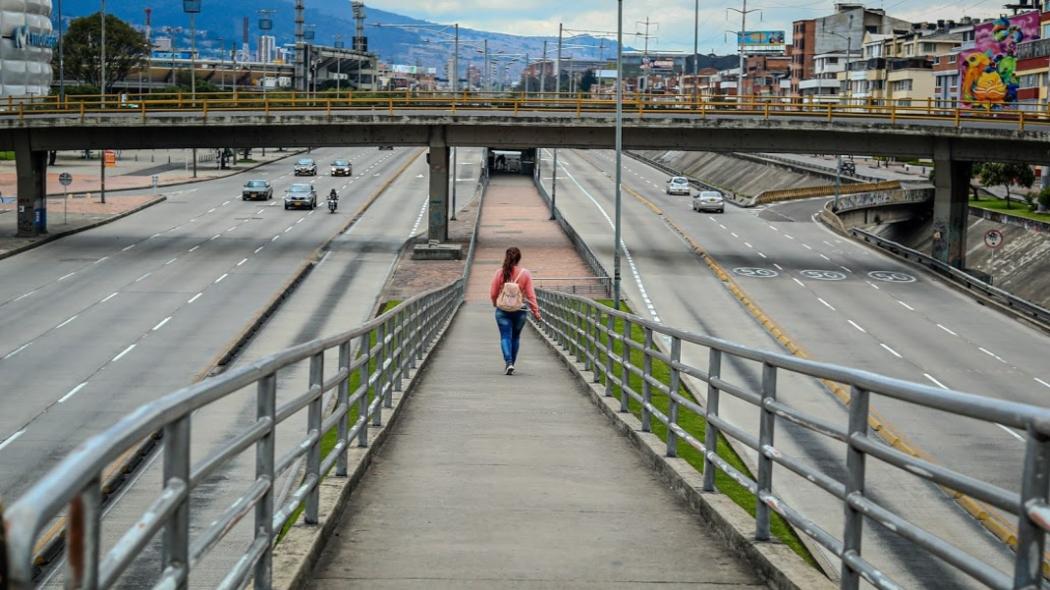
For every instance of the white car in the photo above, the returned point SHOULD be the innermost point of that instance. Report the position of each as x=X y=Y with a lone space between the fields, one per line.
x=709 y=201
x=679 y=185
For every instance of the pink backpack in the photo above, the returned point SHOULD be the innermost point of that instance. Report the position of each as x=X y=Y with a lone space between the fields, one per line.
x=510 y=296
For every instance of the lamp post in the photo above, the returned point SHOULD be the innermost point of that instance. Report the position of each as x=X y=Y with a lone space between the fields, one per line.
x=696 y=51
x=61 y=57
x=192 y=8
x=619 y=150
x=557 y=96
x=102 y=99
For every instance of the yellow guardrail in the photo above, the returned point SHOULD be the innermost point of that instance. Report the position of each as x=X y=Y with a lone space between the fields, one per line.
x=764 y=108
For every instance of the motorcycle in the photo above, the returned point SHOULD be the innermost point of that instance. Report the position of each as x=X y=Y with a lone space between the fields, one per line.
x=333 y=203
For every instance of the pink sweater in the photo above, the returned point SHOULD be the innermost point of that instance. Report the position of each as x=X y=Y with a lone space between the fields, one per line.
x=524 y=280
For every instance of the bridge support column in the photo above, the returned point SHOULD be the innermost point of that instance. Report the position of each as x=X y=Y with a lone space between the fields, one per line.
x=31 y=168
x=437 y=246
x=950 y=207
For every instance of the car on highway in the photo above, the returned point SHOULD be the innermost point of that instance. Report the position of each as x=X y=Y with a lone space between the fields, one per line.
x=386 y=147
x=342 y=168
x=711 y=201
x=300 y=196
x=257 y=190
x=306 y=167
x=679 y=185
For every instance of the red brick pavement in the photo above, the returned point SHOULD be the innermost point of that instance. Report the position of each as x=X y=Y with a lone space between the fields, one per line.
x=514 y=214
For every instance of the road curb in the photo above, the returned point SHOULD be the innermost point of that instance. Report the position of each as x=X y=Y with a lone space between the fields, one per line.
x=77 y=230
x=777 y=564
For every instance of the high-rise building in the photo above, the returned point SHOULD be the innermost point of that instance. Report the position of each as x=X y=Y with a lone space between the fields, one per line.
x=267 y=49
x=27 y=47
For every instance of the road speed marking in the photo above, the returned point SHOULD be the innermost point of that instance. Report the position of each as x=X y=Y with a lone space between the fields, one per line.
x=755 y=273
x=891 y=276
x=823 y=275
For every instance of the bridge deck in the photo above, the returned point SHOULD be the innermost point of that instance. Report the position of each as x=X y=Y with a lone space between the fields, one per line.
x=492 y=481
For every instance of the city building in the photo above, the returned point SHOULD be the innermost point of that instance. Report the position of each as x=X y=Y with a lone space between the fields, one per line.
x=765 y=74
x=25 y=47
x=267 y=52
x=900 y=67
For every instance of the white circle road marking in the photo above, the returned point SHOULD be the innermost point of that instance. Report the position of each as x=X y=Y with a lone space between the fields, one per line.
x=890 y=276
x=755 y=273
x=823 y=275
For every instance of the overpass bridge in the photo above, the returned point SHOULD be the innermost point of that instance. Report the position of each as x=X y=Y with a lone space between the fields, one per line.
x=953 y=137
x=516 y=481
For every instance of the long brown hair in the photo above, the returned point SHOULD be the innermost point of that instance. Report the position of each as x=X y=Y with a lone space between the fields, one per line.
x=510 y=260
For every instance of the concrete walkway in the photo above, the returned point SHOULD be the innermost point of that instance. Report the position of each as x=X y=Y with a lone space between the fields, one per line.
x=491 y=481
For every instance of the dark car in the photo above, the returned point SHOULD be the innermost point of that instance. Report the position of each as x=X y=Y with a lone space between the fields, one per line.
x=300 y=196
x=257 y=190
x=386 y=147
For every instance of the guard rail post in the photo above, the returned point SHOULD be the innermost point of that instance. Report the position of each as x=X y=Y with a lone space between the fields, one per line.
x=625 y=366
x=714 y=371
x=855 y=474
x=381 y=365
x=593 y=322
x=609 y=324
x=647 y=388
x=343 y=401
x=672 y=394
x=364 y=351
x=397 y=344
x=83 y=537
x=767 y=421
x=313 y=457
x=1031 y=538
x=265 y=409
x=176 y=554
x=579 y=334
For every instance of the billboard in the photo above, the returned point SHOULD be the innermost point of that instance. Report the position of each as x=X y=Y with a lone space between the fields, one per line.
x=988 y=72
x=657 y=63
x=760 y=38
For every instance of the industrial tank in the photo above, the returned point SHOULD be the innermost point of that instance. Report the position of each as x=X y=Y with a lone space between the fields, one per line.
x=26 y=46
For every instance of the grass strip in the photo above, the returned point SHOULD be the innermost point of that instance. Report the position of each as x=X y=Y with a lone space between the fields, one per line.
x=331 y=437
x=1018 y=208
x=696 y=425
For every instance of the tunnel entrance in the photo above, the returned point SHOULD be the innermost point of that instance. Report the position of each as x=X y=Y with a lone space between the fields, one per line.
x=512 y=161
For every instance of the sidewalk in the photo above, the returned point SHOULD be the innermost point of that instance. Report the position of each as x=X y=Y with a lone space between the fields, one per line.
x=516 y=215
x=491 y=481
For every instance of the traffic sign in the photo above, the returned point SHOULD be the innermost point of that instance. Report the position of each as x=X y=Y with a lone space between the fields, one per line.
x=110 y=158
x=65 y=179
x=993 y=238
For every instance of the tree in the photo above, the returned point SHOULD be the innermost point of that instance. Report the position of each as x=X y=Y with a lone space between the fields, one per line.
x=126 y=48
x=1006 y=175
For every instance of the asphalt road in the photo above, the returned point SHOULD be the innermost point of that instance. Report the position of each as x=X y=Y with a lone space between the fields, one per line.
x=821 y=290
x=95 y=324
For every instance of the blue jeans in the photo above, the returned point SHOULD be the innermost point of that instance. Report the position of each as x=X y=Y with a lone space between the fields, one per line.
x=510 y=325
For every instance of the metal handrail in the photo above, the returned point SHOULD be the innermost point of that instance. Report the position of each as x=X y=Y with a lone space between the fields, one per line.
x=765 y=108
x=403 y=335
x=587 y=331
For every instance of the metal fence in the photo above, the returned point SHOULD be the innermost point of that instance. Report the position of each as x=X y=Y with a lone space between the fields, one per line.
x=374 y=360
x=602 y=340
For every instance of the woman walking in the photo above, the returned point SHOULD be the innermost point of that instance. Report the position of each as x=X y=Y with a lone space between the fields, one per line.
x=511 y=290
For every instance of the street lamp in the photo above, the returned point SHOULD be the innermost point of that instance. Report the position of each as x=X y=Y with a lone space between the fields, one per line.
x=193 y=8
x=619 y=151
x=102 y=97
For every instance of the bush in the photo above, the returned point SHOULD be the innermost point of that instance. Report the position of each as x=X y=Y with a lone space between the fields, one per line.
x=1044 y=199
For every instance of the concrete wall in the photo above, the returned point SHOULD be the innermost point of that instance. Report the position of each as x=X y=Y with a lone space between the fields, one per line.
x=742 y=177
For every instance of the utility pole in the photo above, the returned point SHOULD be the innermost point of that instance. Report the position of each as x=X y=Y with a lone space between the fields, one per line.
x=557 y=94
x=61 y=58
x=543 y=70
x=455 y=89
x=740 y=37
x=486 y=82
x=619 y=150
x=192 y=7
x=696 y=52
x=300 y=49
x=102 y=101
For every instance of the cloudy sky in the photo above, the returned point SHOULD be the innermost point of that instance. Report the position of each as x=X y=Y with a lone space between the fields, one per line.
x=673 y=28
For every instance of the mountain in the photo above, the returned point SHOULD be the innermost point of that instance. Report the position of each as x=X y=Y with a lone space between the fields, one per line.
x=220 y=24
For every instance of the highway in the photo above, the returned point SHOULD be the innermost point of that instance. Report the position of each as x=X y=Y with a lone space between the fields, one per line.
x=842 y=303
x=98 y=323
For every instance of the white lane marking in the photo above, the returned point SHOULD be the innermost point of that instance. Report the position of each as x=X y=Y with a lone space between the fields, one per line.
x=274 y=239
x=224 y=275
x=773 y=228
x=789 y=237
x=67 y=322
x=873 y=285
x=829 y=243
x=260 y=211
x=324 y=259
x=195 y=297
x=800 y=283
x=170 y=261
x=1041 y=382
x=101 y=260
x=64 y=277
x=108 y=297
x=194 y=220
x=857 y=326
x=143 y=277
x=11 y=439
x=259 y=249
x=807 y=246
x=310 y=213
x=215 y=237
x=722 y=226
x=232 y=228
x=826 y=304
x=17 y=350
x=778 y=266
x=154 y=236
x=985 y=351
x=123 y=353
x=935 y=381
x=243 y=260
x=212 y=210
x=300 y=220
x=893 y=352
x=193 y=248
x=748 y=245
x=126 y=248
x=72 y=392
x=1010 y=430
x=734 y=234
x=21 y=297
x=288 y=229
x=712 y=218
x=906 y=306
x=825 y=257
x=161 y=323
x=225 y=203
x=845 y=268
x=762 y=255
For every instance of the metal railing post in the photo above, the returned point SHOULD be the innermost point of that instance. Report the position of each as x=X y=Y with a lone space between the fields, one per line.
x=625 y=362
x=855 y=459
x=313 y=457
x=610 y=324
x=714 y=371
x=343 y=401
x=83 y=538
x=672 y=410
x=594 y=316
x=387 y=369
x=1031 y=538
x=578 y=337
x=365 y=373
x=647 y=389
x=176 y=539
x=397 y=348
x=767 y=421
x=265 y=409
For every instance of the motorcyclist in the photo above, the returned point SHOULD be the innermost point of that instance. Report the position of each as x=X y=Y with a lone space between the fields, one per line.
x=333 y=200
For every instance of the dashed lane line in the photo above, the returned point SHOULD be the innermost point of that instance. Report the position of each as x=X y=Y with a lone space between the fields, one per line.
x=857 y=326
x=108 y=297
x=72 y=392
x=123 y=353
x=126 y=248
x=161 y=324
x=64 y=277
x=891 y=351
x=16 y=351
x=11 y=439
x=220 y=279
x=1041 y=382
x=195 y=297
x=67 y=322
x=935 y=381
x=800 y=283
x=906 y=306
x=243 y=260
x=826 y=304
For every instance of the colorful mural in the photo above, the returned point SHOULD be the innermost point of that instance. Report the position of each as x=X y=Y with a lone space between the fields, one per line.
x=988 y=72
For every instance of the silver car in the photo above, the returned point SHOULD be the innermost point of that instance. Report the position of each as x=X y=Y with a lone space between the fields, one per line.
x=709 y=201
x=679 y=185
x=306 y=167
x=300 y=196
x=260 y=190
x=342 y=168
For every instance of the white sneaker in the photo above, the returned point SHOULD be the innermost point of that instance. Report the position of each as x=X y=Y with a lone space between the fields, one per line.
x=509 y=370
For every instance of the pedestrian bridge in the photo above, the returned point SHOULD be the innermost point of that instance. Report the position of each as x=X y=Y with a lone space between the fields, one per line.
x=479 y=479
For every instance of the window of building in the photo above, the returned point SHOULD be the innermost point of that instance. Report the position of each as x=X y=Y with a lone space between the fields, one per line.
x=901 y=86
x=1046 y=30
x=929 y=48
x=952 y=58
